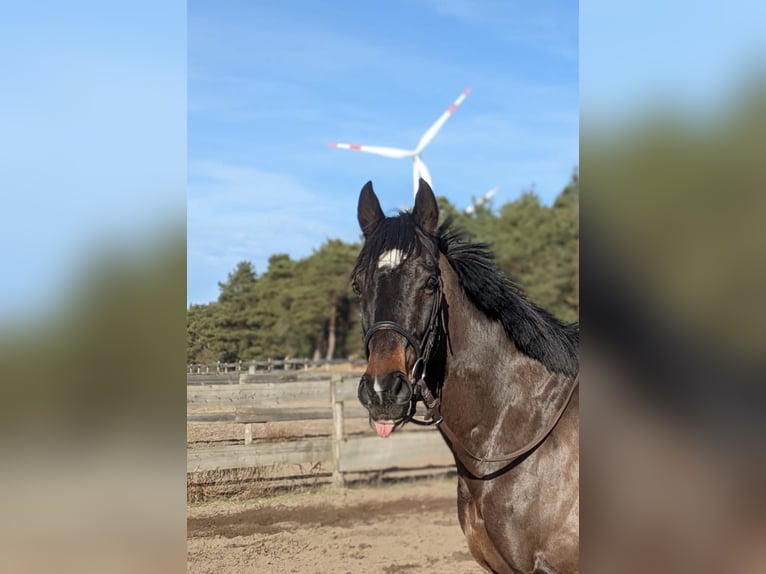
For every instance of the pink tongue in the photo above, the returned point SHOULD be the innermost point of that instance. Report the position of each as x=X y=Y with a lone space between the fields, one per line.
x=384 y=429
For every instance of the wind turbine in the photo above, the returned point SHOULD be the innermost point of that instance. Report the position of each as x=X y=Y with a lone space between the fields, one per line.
x=482 y=200
x=419 y=168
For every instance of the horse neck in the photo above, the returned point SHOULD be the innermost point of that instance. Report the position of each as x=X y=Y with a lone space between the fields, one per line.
x=488 y=382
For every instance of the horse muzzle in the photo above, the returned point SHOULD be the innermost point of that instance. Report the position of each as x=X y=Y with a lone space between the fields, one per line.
x=386 y=398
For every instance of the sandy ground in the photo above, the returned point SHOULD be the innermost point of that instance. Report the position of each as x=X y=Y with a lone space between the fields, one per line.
x=408 y=527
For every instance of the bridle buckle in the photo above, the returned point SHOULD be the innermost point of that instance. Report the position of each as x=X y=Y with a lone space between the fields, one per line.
x=418 y=370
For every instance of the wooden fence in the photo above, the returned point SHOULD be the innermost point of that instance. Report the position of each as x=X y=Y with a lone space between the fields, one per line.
x=237 y=377
x=268 y=365
x=256 y=399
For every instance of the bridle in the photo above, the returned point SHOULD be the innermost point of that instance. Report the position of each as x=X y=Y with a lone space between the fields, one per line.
x=423 y=351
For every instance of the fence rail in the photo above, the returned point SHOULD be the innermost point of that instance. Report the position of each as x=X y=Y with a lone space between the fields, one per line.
x=265 y=454
x=252 y=394
x=267 y=401
x=268 y=365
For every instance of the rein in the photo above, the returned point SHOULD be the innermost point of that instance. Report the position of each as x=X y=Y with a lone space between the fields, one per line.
x=420 y=390
x=434 y=412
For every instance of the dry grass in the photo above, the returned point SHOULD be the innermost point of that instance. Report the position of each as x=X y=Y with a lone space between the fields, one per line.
x=249 y=483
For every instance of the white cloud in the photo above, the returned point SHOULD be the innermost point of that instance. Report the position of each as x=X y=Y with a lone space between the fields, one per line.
x=238 y=212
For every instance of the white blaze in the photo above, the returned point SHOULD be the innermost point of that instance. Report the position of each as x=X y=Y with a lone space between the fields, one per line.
x=390 y=258
x=378 y=389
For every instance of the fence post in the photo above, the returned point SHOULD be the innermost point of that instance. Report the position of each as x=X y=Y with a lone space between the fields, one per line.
x=337 y=430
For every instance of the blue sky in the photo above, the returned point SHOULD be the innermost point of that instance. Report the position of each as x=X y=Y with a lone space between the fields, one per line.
x=92 y=140
x=271 y=83
x=639 y=54
x=94 y=97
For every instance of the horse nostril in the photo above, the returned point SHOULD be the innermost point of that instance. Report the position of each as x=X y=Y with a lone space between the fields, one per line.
x=392 y=388
x=364 y=391
x=402 y=390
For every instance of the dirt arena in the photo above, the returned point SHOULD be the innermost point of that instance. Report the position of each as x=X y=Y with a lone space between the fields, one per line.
x=256 y=521
x=406 y=527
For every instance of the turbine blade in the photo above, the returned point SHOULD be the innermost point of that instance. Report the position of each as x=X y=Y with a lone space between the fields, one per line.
x=482 y=200
x=377 y=150
x=431 y=132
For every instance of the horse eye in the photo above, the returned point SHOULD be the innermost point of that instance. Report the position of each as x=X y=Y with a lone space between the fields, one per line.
x=432 y=282
x=355 y=287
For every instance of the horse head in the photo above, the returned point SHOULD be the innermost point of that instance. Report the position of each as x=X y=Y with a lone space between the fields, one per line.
x=397 y=279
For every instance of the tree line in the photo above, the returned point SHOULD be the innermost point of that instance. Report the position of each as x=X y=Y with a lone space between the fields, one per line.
x=306 y=308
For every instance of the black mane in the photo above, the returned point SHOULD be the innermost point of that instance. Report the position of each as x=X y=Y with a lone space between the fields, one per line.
x=533 y=330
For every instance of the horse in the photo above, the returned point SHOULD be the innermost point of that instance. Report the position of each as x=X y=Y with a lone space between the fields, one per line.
x=497 y=374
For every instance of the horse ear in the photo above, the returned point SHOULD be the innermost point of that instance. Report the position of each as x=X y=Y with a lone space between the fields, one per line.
x=426 y=210
x=369 y=212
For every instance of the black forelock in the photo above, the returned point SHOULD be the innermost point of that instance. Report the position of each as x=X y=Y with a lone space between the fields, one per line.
x=398 y=232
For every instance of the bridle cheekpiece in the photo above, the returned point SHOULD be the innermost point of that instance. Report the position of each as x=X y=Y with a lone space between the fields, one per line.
x=423 y=352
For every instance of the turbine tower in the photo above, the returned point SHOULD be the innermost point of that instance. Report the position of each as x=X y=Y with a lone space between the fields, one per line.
x=419 y=168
